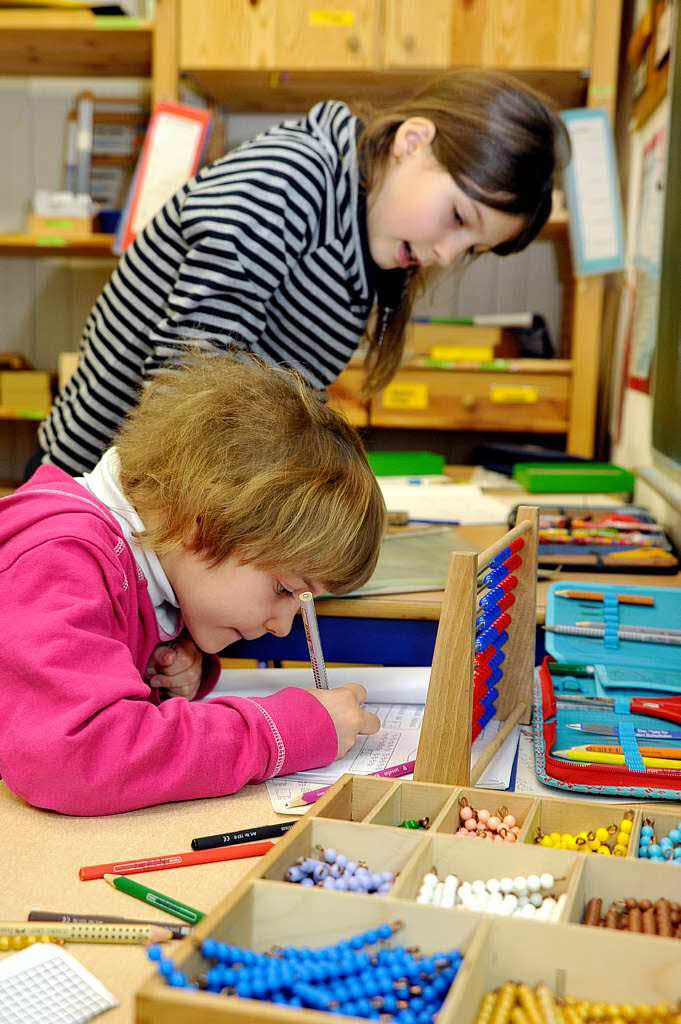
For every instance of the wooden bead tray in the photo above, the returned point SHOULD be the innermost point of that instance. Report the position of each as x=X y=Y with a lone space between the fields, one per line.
x=359 y=816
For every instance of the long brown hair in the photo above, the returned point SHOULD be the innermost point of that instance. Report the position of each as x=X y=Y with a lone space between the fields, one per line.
x=500 y=140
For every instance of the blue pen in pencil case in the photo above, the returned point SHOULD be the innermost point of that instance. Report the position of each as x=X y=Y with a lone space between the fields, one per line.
x=606 y=704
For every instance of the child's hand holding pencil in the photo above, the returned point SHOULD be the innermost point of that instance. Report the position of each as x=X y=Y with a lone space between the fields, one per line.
x=350 y=720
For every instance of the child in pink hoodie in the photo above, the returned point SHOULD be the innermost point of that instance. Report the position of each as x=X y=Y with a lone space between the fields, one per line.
x=230 y=490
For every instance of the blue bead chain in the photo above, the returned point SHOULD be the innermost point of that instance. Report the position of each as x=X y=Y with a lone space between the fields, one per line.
x=347 y=978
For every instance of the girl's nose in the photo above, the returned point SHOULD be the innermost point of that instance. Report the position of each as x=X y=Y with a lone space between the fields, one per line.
x=449 y=249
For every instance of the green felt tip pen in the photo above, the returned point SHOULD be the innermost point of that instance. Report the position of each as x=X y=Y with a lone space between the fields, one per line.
x=566 y=668
x=154 y=898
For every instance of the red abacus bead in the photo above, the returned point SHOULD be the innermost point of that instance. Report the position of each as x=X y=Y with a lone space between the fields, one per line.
x=509 y=583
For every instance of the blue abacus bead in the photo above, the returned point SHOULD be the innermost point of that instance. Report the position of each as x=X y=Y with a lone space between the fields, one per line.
x=493 y=576
x=497 y=660
x=677 y=852
x=307 y=882
x=501 y=639
x=350 y=867
x=492 y=597
x=154 y=953
x=654 y=850
x=500 y=558
x=294 y=874
x=329 y=883
x=645 y=840
x=385 y=932
x=330 y=856
x=647 y=830
x=320 y=872
x=675 y=836
x=178 y=980
x=371 y=936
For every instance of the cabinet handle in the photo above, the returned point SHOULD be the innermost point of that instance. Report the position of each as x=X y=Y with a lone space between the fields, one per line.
x=352 y=43
x=409 y=43
x=469 y=402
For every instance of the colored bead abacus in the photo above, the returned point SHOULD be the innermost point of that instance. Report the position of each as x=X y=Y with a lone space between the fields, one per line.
x=500 y=826
x=661 y=917
x=604 y=840
x=349 y=978
x=667 y=849
x=531 y=896
x=491 y=631
x=520 y=1004
x=336 y=871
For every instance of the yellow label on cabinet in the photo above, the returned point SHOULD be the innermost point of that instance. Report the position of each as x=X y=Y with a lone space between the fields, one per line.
x=466 y=353
x=514 y=394
x=405 y=396
x=325 y=18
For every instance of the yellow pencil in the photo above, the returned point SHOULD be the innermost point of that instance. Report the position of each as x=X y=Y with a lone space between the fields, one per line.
x=594 y=757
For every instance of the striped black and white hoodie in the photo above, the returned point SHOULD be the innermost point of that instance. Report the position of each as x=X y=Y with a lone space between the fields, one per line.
x=264 y=250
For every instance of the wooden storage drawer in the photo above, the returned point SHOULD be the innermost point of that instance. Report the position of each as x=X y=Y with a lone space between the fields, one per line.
x=474 y=401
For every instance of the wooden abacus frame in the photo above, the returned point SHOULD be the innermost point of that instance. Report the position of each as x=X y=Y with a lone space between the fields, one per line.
x=444 y=752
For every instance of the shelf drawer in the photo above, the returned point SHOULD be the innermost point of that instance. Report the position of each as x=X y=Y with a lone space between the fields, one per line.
x=474 y=401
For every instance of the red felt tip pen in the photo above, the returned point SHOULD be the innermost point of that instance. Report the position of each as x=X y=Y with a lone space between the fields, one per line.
x=174 y=860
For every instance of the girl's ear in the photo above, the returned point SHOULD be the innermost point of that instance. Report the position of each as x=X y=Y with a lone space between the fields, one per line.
x=411 y=135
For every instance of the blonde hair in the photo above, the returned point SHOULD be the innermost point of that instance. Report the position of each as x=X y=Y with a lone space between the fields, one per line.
x=500 y=140
x=232 y=457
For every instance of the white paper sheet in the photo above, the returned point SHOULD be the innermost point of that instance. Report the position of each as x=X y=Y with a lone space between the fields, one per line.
x=454 y=503
x=396 y=695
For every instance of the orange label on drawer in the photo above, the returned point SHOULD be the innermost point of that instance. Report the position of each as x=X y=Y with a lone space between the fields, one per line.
x=405 y=396
x=518 y=394
x=323 y=18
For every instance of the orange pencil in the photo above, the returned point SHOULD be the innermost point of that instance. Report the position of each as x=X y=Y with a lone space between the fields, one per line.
x=174 y=860
x=595 y=595
x=665 y=752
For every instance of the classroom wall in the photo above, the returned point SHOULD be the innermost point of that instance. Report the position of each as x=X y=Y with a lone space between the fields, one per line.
x=45 y=301
x=631 y=413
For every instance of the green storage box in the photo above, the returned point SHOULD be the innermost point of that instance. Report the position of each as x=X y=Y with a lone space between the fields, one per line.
x=573 y=477
x=406 y=463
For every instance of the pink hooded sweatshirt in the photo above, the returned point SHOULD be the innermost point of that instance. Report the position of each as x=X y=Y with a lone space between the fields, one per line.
x=80 y=730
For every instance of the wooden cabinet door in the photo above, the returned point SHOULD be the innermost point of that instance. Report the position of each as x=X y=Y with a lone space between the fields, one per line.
x=327 y=34
x=418 y=33
x=227 y=34
x=522 y=33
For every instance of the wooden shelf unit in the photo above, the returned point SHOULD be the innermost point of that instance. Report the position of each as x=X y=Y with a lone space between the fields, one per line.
x=73 y=43
x=368 y=50
x=17 y=244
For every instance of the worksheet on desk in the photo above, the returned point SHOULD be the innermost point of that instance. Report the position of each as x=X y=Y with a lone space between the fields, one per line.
x=396 y=695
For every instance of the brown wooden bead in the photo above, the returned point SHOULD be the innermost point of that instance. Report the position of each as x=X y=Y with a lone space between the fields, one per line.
x=648 y=921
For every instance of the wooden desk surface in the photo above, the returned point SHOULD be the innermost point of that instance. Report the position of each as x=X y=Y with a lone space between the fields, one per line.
x=43 y=852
